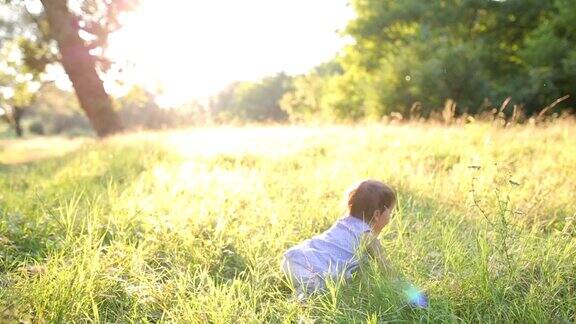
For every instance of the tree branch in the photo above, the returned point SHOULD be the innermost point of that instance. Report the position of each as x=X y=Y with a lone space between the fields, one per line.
x=552 y=105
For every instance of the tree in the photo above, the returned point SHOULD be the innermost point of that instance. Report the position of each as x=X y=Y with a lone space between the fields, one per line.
x=257 y=101
x=310 y=95
x=549 y=54
x=12 y=113
x=78 y=35
x=421 y=53
x=56 y=111
x=222 y=105
x=139 y=110
x=80 y=66
x=18 y=86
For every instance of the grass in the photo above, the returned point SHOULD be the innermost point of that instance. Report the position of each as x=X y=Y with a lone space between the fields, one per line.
x=189 y=226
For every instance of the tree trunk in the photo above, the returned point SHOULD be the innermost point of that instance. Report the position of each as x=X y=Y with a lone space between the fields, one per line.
x=81 y=68
x=17 y=119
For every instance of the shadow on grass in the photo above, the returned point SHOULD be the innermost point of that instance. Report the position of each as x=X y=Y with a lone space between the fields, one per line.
x=22 y=151
x=38 y=197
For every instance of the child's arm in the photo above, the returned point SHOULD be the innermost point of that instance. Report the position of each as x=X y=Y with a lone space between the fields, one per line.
x=415 y=297
x=376 y=250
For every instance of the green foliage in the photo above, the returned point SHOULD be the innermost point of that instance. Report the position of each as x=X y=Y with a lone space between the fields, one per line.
x=162 y=227
x=139 y=110
x=255 y=101
x=37 y=128
x=57 y=111
x=310 y=95
x=96 y=18
x=30 y=31
x=548 y=54
x=42 y=38
x=17 y=82
x=417 y=54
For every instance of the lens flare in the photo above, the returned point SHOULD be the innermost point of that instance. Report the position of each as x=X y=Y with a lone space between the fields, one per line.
x=416 y=298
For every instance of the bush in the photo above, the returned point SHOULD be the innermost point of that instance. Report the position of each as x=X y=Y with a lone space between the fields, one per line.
x=36 y=128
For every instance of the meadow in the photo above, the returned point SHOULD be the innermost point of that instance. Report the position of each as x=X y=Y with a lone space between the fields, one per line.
x=190 y=225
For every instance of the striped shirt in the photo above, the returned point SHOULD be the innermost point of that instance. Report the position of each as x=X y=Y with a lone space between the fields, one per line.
x=333 y=252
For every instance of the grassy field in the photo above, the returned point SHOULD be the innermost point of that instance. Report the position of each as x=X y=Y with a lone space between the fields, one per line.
x=189 y=226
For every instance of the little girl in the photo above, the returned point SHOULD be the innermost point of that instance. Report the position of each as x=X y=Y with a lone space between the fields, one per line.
x=337 y=251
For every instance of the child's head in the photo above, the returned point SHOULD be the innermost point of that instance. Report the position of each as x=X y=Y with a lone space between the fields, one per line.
x=372 y=201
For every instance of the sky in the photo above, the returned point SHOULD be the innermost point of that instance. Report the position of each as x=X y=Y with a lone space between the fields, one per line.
x=191 y=49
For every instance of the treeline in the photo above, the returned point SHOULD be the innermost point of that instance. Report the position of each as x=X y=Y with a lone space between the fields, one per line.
x=54 y=111
x=409 y=59
x=420 y=59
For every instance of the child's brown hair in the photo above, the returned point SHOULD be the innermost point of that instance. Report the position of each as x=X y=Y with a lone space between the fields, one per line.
x=369 y=196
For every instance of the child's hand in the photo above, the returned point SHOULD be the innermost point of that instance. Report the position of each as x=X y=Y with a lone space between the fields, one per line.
x=416 y=298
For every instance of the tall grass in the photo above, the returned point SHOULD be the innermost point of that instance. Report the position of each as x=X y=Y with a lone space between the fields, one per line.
x=189 y=226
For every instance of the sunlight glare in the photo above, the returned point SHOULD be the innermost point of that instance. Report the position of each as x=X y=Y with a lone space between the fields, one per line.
x=192 y=49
